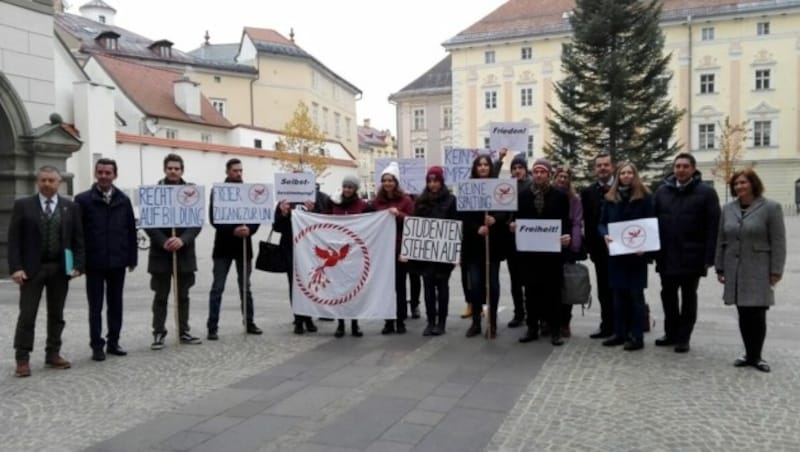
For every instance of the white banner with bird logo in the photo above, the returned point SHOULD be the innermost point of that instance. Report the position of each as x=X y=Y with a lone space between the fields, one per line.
x=344 y=265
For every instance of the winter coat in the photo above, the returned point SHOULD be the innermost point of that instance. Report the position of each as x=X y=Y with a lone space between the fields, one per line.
x=473 y=245
x=751 y=247
x=576 y=250
x=442 y=207
x=405 y=207
x=556 y=207
x=109 y=229
x=226 y=244
x=628 y=271
x=592 y=199
x=352 y=206
x=160 y=260
x=688 y=219
x=283 y=224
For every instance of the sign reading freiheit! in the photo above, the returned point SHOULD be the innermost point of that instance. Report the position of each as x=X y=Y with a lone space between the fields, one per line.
x=487 y=194
x=538 y=235
x=431 y=240
x=242 y=204
x=295 y=187
x=171 y=206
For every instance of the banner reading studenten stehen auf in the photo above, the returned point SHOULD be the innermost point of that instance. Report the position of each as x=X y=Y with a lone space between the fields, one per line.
x=171 y=206
x=242 y=203
x=431 y=240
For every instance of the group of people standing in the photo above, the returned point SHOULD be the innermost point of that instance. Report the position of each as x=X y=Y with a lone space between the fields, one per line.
x=53 y=239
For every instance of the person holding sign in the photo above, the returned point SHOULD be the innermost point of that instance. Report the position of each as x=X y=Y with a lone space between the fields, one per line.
x=750 y=260
x=628 y=199
x=575 y=252
x=164 y=243
x=516 y=270
x=392 y=198
x=436 y=201
x=45 y=250
x=477 y=226
x=228 y=240
x=541 y=201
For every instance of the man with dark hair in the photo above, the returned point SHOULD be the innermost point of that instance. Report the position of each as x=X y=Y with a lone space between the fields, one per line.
x=228 y=240
x=688 y=217
x=592 y=202
x=45 y=250
x=516 y=266
x=164 y=243
x=109 y=228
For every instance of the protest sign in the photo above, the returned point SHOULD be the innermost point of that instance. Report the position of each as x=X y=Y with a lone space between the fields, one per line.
x=242 y=204
x=510 y=135
x=458 y=163
x=171 y=206
x=295 y=187
x=431 y=240
x=412 y=173
x=629 y=237
x=487 y=194
x=538 y=235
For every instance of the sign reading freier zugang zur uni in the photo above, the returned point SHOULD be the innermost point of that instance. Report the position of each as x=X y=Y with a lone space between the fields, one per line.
x=242 y=203
x=171 y=206
x=431 y=240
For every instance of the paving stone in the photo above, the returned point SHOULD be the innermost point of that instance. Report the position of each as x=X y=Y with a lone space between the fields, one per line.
x=388 y=446
x=216 y=424
x=248 y=435
x=450 y=389
x=437 y=403
x=408 y=387
x=217 y=402
x=306 y=402
x=184 y=440
x=150 y=433
x=246 y=409
x=260 y=382
x=492 y=396
x=365 y=423
x=462 y=430
x=406 y=433
x=349 y=377
x=424 y=417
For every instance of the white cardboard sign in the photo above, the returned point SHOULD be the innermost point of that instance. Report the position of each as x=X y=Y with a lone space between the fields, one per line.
x=458 y=163
x=243 y=203
x=412 y=173
x=510 y=135
x=487 y=194
x=171 y=206
x=538 y=235
x=295 y=187
x=629 y=237
x=431 y=240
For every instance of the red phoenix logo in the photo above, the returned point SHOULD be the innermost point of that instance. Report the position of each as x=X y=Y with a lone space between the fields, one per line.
x=258 y=193
x=634 y=236
x=188 y=196
x=504 y=193
x=318 y=279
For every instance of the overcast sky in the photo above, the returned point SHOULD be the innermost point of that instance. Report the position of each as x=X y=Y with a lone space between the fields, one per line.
x=379 y=45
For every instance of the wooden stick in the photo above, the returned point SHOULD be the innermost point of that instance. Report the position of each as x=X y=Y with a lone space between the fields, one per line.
x=244 y=284
x=175 y=297
x=488 y=284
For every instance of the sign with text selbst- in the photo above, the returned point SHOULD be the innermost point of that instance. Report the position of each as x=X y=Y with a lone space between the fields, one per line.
x=412 y=173
x=538 y=235
x=242 y=203
x=295 y=187
x=487 y=194
x=171 y=206
x=458 y=163
x=431 y=240
x=510 y=135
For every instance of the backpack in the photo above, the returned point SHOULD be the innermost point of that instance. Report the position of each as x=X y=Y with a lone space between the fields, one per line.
x=577 y=287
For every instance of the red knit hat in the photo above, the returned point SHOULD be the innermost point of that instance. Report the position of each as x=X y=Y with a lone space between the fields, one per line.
x=437 y=172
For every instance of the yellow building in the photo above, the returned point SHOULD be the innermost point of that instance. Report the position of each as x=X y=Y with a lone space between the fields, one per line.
x=729 y=58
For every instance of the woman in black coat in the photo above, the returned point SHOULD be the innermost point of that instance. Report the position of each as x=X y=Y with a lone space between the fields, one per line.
x=628 y=199
x=436 y=201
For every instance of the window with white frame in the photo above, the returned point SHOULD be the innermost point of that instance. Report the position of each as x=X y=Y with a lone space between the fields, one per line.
x=490 y=99
x=707 y=33
x=337 y=124
x=325 y=120
x=315 y=113
x=315 y=79
x=707 y=83
x=447 y=117
x=763 y=79
x=347 y=123
x=205 y=137
x=487 y=143
x=101 y=18
x=530 y=147
x=257 y=143
x=219 y=105
x=526 y=97
x=419 y=118
x=762 y=133
x=527 y=53
x=419 y=152
x=706 y=136
x=171 y=134
x=762 y=28
x=488 y=57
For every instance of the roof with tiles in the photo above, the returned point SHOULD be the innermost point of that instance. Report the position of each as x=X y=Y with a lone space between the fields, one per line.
x=223 y=53
x=151 y=90
x=521 y=18
x=371 y=136
x=436 y=80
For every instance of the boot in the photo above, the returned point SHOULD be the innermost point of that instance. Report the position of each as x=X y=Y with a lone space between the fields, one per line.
x=555 y=339
x=439 y=328
x=310 y=327
x=531 y=335
x=388 y=327
x=516 y=322
x=339 y=329
x=474 y=330
x=401 y=327
x=415 y=310
x=467 y=312
x=428 y=331
x=355 y=330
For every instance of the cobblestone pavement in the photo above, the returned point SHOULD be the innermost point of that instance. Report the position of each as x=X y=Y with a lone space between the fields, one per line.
x=583 y=397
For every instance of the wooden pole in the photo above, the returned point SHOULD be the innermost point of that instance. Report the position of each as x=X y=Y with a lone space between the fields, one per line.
x=175 y=297
x=244 y=283
x=489 y=331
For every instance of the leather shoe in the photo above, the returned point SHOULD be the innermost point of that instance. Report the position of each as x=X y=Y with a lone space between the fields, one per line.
x=762 y=365
x=634 y=345
x=515 y=323
x=23 y=369
x=600 y=334
x=613 y=341
x=310 y=327
x=57 y=362
x=682 y=347
x=298 y=328
x=665 y=341
x=474 y=330
x=556 y=340
x=741 y=362
x=116 y=350
x=530 y=336
x=253 y=329
x=98 y=354
x=212 y=336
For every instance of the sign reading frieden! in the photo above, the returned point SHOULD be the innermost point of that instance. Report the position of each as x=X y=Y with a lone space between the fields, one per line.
x=538 y=235
x=629 y=237
x=242 y=204
x=171 y=206
x=431 y=240
x=487 y=194
x=295 y=187
x=509 y=135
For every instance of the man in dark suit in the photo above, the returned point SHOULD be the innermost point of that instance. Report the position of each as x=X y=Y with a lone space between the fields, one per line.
x=109 y=227
x=592 y=201
x=45 y=250
x=159 y=264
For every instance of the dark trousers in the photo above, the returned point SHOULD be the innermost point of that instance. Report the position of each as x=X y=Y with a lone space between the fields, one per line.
x=629 y=313
x=679 y=315
x=566 y=314
x=51 y=279
x=517 y=275
x=477 y=279
x=753 y=326
x=161 y=284
x=221 y=268
x=415 y=281
x=465 y=284
x=604 y=295
x=108 y=282
x=437 y=299
x=543 y=294
x=298 y=319
x=400 y=273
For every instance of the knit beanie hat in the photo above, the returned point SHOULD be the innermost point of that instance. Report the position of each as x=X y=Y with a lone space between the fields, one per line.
x=351 y=179
x=393 y=169
x=520 y=160
x=436 y=172
x=543 y=164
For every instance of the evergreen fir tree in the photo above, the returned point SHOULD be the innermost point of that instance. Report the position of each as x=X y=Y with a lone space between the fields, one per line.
x=614 y=94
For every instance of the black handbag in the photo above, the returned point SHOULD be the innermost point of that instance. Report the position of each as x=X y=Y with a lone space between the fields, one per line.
x=270 y=257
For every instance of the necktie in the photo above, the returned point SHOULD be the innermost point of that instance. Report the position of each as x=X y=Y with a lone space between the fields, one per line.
x=48 y=208
x=107 y=197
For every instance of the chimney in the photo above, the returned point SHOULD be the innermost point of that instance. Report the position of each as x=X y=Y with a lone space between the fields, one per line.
x=366 y=122
x=58 y=7
x=187 y=96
